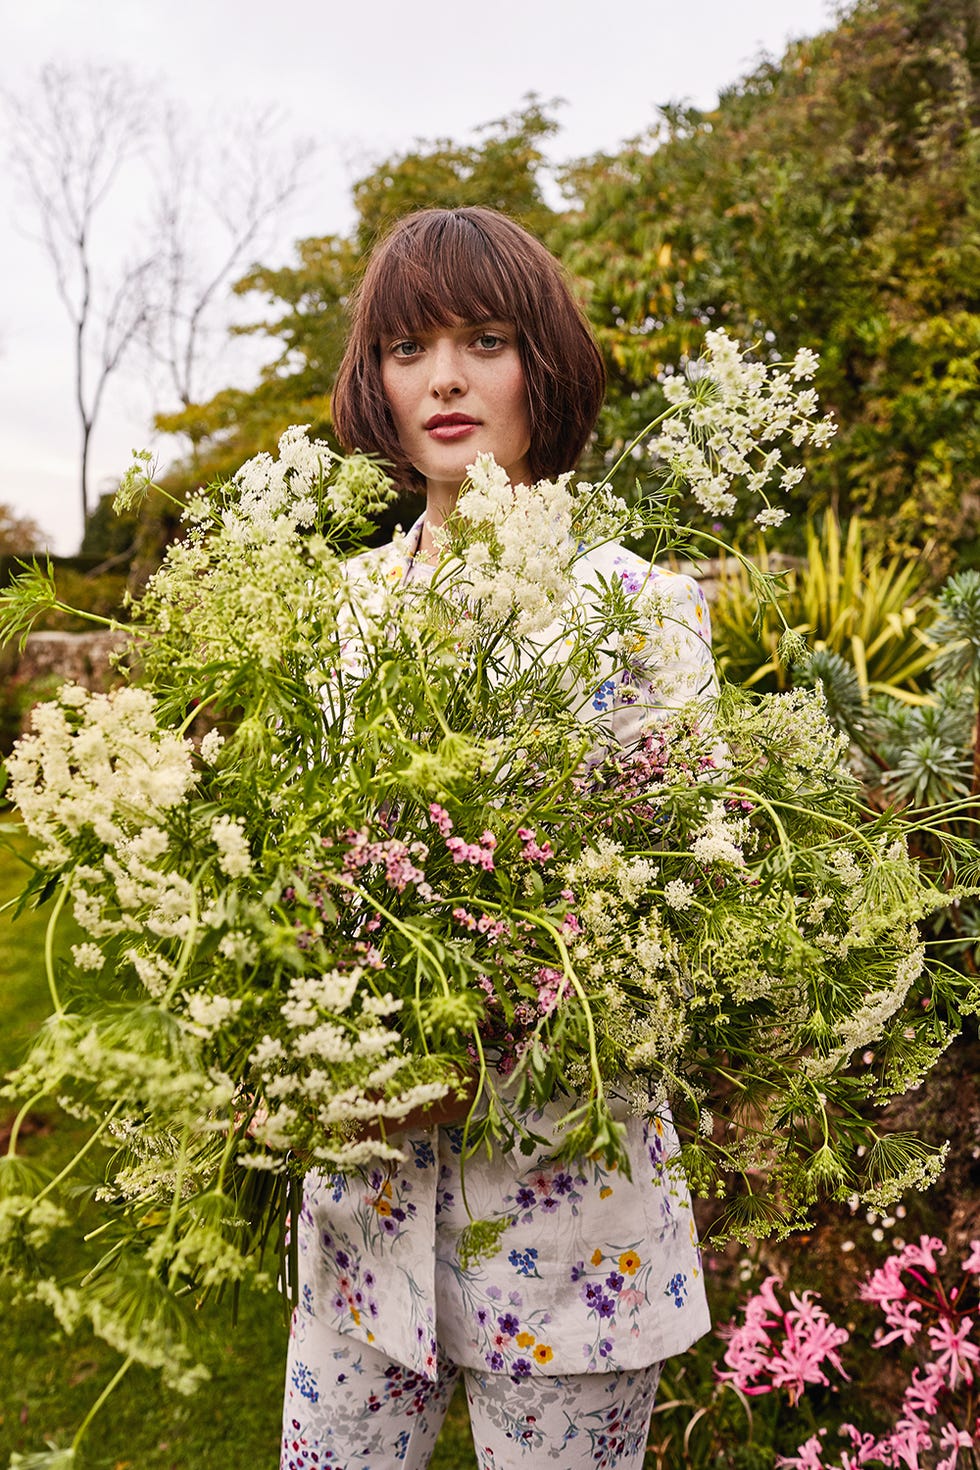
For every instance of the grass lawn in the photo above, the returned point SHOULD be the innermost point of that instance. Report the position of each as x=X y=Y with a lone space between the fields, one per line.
x=48 y=1381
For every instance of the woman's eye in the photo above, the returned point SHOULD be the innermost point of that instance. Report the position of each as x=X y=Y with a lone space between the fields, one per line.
x=489 y=340
x=407 y=348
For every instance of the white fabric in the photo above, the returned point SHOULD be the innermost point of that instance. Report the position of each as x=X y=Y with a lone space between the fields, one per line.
x=357 y=1410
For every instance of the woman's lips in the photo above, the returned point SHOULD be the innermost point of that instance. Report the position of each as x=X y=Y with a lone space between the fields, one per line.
x=451 y=431
x=448 y=426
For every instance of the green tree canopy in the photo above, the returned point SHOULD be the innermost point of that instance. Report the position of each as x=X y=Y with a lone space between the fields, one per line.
x=832 y=199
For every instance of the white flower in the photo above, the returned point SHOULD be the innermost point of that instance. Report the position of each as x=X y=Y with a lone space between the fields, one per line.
x=228 y=836
x=87 y=956
x=679 y=895
x=210 y=745
x=805 y=363
x=209 y=1013
x=771 y=516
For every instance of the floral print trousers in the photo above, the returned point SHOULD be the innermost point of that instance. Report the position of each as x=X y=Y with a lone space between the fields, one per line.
x=349 y=1407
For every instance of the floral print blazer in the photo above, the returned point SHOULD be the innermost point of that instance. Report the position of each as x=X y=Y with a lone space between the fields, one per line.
x=589 y=1271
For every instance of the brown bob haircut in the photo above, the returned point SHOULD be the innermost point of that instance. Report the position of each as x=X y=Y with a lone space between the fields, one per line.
x=441 y=266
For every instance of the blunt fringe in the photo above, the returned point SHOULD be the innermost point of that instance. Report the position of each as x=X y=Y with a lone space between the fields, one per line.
x=440 y=266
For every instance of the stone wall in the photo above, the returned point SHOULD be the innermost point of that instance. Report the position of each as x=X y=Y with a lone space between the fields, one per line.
x=78 y=658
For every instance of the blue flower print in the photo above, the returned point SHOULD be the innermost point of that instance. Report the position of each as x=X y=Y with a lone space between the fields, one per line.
x=337 y=1184
x=603 y=695
x=677 y=1288
x=304 y=1381
x=424 y=1155
x=525 y=1262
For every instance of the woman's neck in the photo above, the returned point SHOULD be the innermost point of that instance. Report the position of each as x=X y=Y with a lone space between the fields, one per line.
x=440 y=502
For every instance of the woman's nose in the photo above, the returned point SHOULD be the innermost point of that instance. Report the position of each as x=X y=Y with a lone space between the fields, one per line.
x=447 y=376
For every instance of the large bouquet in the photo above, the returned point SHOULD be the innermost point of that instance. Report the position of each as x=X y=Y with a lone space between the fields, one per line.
x=349 y=848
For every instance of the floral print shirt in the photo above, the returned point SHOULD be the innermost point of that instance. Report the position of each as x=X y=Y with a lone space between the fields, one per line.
x=590 y=1271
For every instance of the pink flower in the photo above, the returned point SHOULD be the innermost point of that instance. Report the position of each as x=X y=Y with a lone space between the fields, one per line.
x=953 y=1439
x=532 y=852
x=441 y=818
x=972 y=1262
x=809 y=1456
x=955 y=1353
x=924 y=1254
x=921 y=1400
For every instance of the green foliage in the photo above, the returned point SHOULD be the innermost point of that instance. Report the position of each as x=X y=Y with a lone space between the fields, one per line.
x=831 y=199
x=865 y=615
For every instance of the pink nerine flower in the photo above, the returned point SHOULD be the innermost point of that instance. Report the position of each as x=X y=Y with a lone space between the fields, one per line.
x=758 y=1361
x=972 y=1262
x=955 y=1353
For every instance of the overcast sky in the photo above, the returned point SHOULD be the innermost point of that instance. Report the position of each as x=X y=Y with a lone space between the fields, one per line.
x=363 y=79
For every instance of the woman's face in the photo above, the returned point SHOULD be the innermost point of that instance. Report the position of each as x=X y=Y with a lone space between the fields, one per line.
x=455 y=392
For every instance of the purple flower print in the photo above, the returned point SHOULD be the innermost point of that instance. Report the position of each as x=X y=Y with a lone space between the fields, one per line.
x=596 y=1298
x=343 y=1260
x=549 y=1205
x=614 y=1281
x=520 y=1368
x=526 y=1198
x=495 y=1362
x=578 y=1271
x=562 y=1183
x=605 y=1347
x=494 y=1293
x=508 y=1323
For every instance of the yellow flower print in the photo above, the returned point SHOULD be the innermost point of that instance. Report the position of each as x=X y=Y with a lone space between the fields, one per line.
x=629 y=1263
x=525 y=1339
x=605 y=1192
x=542 y=1353
x=597 y=1258
x=382 y=1201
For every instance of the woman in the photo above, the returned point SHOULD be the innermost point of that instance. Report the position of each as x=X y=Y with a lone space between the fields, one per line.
x=466 y=339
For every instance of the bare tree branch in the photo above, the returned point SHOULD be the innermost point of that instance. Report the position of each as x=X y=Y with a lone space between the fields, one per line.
x=71 y=140
x=214 y=209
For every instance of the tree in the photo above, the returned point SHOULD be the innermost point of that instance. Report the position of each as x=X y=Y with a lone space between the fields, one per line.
x=19 y=534
x=831 y=199
x=71 y=143
x=213 y=210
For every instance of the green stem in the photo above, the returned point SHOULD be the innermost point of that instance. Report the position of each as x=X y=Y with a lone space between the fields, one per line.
x=668 y=413
x=49 y=946
x=70 y=1166
x=110 y=1387
x=579 y=990
x=18 y=1121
